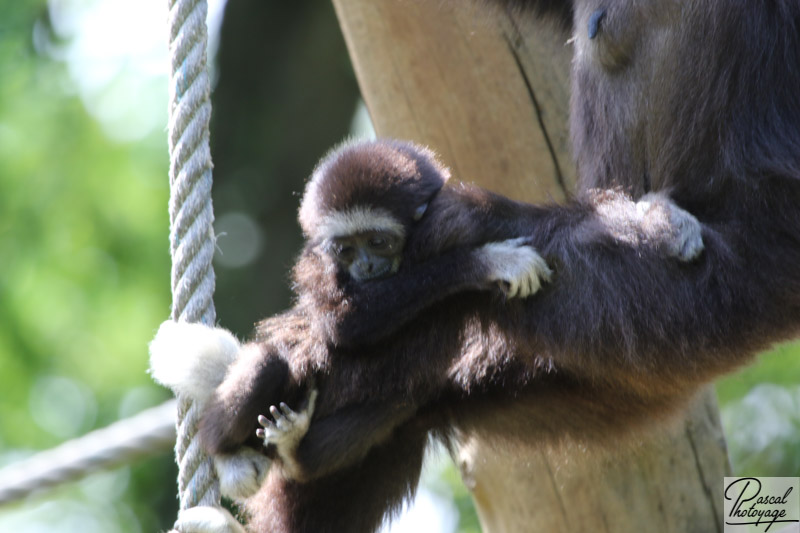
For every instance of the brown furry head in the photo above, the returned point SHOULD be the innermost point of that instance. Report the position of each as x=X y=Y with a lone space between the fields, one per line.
x=364 y=182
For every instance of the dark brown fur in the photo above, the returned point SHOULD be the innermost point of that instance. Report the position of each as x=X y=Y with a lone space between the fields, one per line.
x=697 y=100
x=362 y=342
x=367 y=412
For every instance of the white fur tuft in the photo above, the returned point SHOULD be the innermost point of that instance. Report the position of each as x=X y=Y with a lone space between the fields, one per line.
x=205 y=519
x=191 y=359
x=358 y=220
x=241 y=474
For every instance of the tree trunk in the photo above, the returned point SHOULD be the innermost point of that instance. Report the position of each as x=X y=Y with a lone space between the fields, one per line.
x=488 y=91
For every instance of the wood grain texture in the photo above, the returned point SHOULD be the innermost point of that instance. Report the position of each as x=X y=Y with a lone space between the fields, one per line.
x=453 y=81
x=489 y=92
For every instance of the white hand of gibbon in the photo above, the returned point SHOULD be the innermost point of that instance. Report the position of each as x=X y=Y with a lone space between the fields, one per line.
x=516 y=266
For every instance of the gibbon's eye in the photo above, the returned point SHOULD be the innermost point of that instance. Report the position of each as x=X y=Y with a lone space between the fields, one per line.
x=342 y=251
x=378 y=243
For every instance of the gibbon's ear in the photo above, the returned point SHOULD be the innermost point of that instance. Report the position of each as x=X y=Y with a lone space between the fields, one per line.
x=192 y=359
x=420 y=211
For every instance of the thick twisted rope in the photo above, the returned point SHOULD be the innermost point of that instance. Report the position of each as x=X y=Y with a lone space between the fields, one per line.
x=120 y=443
x=192 y=248
x=191 y=218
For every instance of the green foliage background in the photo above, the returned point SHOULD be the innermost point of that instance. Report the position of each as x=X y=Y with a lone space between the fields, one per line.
x=84 y=264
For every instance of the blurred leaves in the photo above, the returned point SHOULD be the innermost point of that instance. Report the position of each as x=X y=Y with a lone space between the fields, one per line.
x=83 y=247
x=760 y=407
x=84 y=277
x=763 y=431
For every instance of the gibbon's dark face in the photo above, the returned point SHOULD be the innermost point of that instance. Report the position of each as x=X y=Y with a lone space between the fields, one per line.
x=367 y=254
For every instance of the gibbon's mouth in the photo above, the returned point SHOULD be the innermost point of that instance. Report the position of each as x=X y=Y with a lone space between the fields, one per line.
x=382 y=272
x=378 y=271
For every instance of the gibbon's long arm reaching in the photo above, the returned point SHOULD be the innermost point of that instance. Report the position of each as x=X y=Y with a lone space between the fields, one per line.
x=697 y=102
x=356 y=187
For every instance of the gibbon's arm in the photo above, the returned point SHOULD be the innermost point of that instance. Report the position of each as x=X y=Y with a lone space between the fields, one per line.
x=617 y=309
x=336 y=441
x=257 y=379
x=364 y=312
x=464 y=217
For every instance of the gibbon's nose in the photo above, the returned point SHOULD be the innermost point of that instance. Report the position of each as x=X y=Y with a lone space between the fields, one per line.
x=365 y=260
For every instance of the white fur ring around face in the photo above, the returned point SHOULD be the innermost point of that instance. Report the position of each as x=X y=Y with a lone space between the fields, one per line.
x=191 y=359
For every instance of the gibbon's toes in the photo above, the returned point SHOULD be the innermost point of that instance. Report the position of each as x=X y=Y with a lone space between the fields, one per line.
x=270 y=435
x=513 y=289
x=287 y=426
x=269 y=430
x=284 y=417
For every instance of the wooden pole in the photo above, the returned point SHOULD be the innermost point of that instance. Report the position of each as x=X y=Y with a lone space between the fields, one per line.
x=489 y=92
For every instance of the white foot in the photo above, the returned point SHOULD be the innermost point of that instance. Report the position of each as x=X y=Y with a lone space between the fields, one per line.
x=241 y=474
x=207 y=520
